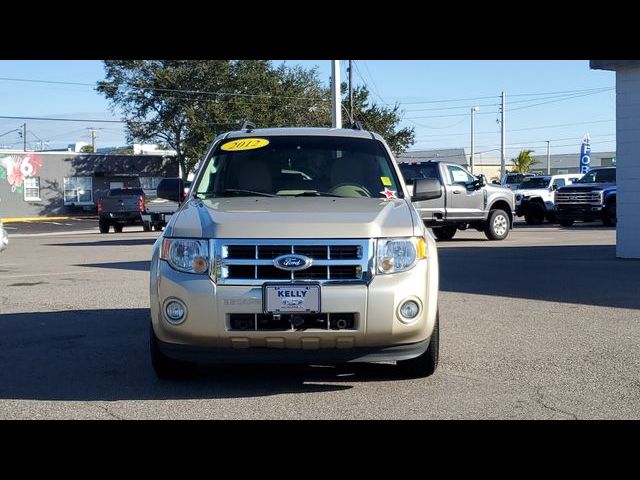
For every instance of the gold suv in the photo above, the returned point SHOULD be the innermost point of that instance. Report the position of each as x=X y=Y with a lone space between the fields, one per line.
x=295 y=245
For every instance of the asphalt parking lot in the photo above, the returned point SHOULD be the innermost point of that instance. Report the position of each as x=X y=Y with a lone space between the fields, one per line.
x=543 y=325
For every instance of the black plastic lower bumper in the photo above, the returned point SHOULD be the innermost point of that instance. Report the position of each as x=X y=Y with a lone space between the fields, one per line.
x=578 y=212
x=298 y=356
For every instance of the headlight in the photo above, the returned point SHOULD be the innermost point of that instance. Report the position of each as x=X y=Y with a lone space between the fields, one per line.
x=186 y=255
x=399 y=254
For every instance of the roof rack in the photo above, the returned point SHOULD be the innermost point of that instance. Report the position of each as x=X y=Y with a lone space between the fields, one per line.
x=248 y=126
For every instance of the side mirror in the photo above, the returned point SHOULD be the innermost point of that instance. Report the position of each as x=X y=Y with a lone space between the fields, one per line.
x=482 y=180
x=495 y=182
x=426 y=189
x=554 y=187
x=171 y=189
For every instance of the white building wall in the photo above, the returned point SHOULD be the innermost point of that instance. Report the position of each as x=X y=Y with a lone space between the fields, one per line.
x=628 y=161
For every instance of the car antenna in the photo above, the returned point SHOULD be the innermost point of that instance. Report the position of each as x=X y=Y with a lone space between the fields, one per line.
x=248 y=126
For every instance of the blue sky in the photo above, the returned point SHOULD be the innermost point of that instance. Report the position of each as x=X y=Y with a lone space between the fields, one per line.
x=428 y=92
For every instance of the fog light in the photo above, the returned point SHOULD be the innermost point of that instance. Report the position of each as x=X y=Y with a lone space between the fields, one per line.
x=409 y=309
x=176 y=311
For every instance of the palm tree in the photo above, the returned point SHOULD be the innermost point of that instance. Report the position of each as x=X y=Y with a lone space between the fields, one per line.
x=523 y=162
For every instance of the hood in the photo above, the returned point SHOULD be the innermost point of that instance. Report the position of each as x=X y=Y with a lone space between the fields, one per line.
x=292 y=217
x=531 y=191
x=586 y=187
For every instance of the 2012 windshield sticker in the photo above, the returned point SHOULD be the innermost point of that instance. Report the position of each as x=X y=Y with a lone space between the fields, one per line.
x=245 y=144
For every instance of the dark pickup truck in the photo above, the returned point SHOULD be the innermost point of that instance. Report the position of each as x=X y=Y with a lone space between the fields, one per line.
x=593 y=197
x=120 y=207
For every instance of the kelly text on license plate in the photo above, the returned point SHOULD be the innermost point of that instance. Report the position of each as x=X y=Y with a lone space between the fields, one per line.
x=292 y=298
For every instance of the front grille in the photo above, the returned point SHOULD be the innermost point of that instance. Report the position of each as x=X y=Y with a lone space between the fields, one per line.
x=583 y=198
x=293 y=322
x=249 y=262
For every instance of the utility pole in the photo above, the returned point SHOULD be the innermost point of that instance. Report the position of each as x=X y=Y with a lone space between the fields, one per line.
x=336 y=103
x=93 y=140
x=351 y=90
x=548 y=157
x=24 y=136
x=473 y=141
x=503 y=135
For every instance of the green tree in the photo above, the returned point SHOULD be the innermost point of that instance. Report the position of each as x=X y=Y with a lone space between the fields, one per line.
x=380 y=119
x=523 y=162
x=185 y=104
x=86 y=149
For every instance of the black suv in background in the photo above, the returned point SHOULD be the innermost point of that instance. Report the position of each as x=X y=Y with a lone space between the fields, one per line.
x=591 y=198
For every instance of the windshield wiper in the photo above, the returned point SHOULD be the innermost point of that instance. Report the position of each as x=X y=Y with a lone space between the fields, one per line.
x=247 y=192
x=315 y=193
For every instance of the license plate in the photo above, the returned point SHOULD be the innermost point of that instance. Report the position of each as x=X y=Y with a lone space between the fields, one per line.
x=291 y=298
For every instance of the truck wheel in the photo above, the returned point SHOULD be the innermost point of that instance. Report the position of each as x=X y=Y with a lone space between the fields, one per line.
x=146 y=226
x=157 y=228
x=609 y=217
x=444 y=233
x=117 y=227
x=566 y=223
x=534 y=214
x=103 y=226
x=497 y=226
x=164 y=366
x=427 y=363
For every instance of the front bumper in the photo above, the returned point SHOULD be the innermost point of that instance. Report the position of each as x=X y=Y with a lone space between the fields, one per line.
x=378 y=334
x=578 y=212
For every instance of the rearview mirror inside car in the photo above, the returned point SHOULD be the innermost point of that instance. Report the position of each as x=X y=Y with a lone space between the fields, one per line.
x=426 y=189
x=171 y=189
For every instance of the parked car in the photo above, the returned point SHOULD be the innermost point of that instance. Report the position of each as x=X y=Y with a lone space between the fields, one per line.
x=4 y=237
x=513 y=180
x=467 y=201
x=120 y=207
x=263 y=265
x=591 y=198
x=535 y=197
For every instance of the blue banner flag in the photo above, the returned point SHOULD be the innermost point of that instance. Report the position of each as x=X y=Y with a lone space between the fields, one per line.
x=585 y=154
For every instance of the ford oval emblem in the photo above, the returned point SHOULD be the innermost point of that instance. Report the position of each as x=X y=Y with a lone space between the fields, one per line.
x=292 y=262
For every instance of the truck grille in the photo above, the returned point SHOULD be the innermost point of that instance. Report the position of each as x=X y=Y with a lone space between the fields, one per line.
x=251 y=262
x=581 y=198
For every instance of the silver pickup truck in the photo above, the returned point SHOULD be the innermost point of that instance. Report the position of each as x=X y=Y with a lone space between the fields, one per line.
x=467 y=200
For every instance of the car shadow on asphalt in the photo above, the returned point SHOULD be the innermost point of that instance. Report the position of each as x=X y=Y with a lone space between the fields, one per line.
x=139 y=266
x=88 y=355
x=579 y=274
x=107 y=243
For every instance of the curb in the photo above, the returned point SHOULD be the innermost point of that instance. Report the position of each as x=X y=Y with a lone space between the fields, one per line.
x=40 y=219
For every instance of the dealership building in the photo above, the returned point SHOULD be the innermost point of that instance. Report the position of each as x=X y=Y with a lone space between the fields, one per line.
x=37 y=183
x=628 y=153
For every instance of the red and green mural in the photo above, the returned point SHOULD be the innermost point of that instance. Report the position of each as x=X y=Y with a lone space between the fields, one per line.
x=15 y=168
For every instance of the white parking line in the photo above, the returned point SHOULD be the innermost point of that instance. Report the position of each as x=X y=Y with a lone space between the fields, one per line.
x=72 y=272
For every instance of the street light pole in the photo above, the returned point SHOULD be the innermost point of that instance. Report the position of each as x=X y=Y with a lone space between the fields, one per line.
x=336 y=103
x=548 y=157
x=473 y=141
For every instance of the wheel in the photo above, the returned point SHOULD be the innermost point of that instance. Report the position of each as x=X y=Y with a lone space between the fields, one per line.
x=534 y=214
x=146 y=226
x=609 y=216
x=566 y=223
x=117 y=227
x=497 y=226
x=444 y=233
x=103 y=226
x=157 y=228
x=164 y=366
x=427 y=363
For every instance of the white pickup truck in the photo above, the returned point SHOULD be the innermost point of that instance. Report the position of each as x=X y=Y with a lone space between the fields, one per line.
x=535 y=196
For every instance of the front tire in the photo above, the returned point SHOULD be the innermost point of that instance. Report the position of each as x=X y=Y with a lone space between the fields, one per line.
x=534 y=214
x=609 y=217
x=146 y=226
x=163 y=366
x=103 y=226
x=444 y=233
x=427 y=363
x=497 y=227
x=117 y=227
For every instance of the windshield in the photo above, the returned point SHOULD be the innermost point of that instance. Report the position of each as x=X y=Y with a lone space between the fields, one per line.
x=413 y=171
x=299 y=166
x=535 y=182
x=605 y=175
x=515 y=178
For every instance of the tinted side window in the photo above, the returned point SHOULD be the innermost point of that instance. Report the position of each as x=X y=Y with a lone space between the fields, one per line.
x=559 y=182
x=459 y=176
